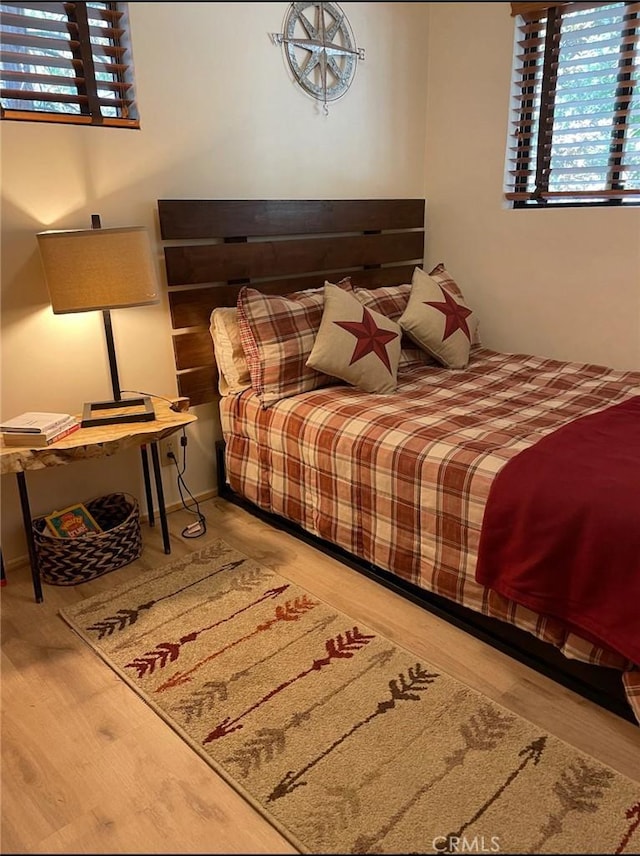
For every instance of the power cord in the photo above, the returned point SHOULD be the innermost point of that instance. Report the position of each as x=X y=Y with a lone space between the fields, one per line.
x=194 y=530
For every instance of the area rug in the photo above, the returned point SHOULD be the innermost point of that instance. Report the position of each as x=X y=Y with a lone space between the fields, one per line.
x=343 y=740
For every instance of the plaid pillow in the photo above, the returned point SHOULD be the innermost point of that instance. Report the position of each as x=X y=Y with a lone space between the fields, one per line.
x=391 y=301
x=444 y=278
x=277 y=334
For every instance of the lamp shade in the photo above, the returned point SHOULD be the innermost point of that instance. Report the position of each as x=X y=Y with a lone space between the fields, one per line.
x=89 y=269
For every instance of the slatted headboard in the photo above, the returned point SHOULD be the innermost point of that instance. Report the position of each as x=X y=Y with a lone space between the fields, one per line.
x=213 y=247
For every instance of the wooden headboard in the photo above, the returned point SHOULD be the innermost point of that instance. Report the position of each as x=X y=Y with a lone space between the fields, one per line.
x=213 y=247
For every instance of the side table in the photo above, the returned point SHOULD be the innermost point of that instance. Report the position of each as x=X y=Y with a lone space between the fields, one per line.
x=97 y=442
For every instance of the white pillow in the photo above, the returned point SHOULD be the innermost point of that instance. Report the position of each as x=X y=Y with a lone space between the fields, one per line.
x=232 y=365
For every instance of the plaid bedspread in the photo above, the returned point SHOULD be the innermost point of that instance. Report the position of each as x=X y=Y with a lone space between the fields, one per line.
x=402 y=480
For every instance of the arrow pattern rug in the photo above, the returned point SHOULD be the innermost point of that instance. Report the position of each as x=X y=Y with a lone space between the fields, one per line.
x=344 y=741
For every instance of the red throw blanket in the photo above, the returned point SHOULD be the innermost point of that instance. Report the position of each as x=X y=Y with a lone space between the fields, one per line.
x=561 y=529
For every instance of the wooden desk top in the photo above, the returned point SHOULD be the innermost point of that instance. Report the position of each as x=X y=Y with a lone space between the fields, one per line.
x=96 y=442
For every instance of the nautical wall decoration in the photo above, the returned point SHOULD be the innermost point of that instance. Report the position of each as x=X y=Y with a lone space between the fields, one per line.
x=320 y=49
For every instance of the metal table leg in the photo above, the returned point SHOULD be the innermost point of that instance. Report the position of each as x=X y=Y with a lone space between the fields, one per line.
x=31 y=546
x=155 y=457
x=147 y=484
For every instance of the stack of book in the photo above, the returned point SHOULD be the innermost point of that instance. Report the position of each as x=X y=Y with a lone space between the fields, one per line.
x=35 y=429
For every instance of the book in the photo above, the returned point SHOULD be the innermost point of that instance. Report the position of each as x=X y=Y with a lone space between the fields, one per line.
x=34 y=422
x=36 y=441
x=72 y=521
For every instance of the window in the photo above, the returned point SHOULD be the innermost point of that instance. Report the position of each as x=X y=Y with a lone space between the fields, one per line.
x=575 y=135
x=67 y=62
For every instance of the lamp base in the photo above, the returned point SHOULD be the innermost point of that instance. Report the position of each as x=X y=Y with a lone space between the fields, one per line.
x=96 y=413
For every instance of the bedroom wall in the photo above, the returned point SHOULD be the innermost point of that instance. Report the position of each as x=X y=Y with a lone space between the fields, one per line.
x=220 y=118
x=565 y=284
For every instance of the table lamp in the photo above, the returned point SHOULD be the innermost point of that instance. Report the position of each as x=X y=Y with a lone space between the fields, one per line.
x=102 y=269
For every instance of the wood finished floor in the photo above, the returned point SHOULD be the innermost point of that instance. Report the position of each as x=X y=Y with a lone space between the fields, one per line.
x=87 y=767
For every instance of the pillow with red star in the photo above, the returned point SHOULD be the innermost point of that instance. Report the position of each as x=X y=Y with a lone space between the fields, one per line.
x=444 y=278
x=438 y=321
x=391 y=301
x=355 y=344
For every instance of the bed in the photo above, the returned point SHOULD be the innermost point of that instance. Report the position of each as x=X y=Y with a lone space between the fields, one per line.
x=410 y=486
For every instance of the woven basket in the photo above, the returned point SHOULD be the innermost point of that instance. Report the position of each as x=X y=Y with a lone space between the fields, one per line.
x=69 y=561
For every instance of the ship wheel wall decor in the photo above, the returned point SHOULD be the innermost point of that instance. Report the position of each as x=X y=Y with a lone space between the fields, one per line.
x=320 y=49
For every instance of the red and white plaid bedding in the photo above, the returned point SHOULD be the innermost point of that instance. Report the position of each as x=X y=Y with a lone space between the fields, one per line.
x=401 y=480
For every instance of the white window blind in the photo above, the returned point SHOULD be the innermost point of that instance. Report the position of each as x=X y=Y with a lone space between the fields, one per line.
x=576 y=104
x=67 y=62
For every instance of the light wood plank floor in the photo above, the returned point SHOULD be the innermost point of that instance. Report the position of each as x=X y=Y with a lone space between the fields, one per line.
x=87 y=767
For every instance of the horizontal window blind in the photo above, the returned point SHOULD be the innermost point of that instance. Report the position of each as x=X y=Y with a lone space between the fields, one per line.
x=531 y=11
x=576 y=105
x=67 y=62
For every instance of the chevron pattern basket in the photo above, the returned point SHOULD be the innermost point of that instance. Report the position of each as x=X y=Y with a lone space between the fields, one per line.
x=69 y=561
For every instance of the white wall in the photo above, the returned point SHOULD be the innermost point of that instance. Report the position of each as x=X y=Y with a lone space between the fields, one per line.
x=220 y=118
x=564 y=284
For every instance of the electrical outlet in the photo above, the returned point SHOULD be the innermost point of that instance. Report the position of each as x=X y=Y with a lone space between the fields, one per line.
x=168 y=446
